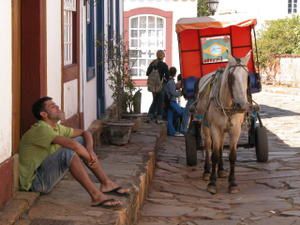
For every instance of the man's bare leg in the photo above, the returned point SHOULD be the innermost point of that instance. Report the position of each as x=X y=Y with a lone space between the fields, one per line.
x=80 y=174
x=106 y=183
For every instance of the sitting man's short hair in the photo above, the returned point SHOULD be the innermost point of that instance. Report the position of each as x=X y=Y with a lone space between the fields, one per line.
x=39 y=106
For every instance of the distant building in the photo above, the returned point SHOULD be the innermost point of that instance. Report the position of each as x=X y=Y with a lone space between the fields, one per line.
x=261 y=9
x=149 y=25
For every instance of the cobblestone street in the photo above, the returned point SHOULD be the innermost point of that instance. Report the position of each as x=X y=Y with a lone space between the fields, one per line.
x=269 y=192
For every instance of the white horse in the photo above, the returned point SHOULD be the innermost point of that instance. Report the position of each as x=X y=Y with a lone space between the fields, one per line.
x=222 y=101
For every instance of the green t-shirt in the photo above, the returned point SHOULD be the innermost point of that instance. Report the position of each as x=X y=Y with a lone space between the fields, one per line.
x=36 y=145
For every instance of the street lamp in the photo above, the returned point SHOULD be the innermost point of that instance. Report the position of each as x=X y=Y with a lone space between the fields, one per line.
x=212 y=5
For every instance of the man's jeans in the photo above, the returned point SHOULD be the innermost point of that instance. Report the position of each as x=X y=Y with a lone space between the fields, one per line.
x=180 y=111
x=53 y=169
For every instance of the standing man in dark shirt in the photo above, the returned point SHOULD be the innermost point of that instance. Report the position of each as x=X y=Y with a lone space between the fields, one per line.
x=156 y=109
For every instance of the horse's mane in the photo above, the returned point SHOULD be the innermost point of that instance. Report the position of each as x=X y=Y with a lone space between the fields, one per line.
x=210 y=81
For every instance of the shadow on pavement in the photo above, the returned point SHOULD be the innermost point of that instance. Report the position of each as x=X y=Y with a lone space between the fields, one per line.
x=269 y=112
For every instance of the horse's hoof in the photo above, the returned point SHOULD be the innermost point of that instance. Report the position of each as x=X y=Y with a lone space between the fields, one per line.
x=233 y=189
x=212 y=189
x=206 y=176
x=222 y=174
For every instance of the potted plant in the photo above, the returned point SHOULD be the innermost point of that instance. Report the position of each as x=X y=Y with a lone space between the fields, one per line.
x=116 y=54
x=132 y=97
x=132 y=102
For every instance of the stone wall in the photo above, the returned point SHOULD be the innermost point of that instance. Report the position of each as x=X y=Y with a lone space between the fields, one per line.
x=284 y=71
x=289 y=71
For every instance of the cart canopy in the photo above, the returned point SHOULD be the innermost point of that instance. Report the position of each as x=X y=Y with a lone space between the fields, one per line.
x=204 y=42
x=204 y=22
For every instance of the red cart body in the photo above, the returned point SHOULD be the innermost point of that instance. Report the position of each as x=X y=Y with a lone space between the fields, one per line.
x=204 y=43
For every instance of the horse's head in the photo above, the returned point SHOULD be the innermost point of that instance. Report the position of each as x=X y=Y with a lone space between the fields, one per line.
x=238 y=80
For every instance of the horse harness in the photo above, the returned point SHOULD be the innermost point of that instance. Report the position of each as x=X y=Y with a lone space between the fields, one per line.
x=215 y=85
x=229 y=111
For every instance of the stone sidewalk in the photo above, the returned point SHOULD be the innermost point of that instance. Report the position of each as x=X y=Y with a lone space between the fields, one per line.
x=131 y=166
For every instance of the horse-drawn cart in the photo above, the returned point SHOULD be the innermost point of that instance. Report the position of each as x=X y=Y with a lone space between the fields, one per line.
x=205 y=44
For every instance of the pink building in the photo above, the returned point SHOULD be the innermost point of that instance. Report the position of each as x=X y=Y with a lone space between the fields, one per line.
x=149 y=25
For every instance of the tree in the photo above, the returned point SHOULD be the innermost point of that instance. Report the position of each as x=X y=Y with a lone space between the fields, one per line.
x=202 y=8
x=278 y=37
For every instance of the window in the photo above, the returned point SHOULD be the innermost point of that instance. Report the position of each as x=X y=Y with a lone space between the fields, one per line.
x=69 y=23
x=146 y=36
x=292 y=6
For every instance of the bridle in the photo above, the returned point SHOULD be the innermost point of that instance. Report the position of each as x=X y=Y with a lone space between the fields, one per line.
x=231 y=77
x=234 y=108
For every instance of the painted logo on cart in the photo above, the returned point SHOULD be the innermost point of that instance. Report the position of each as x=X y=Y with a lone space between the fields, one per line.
x=215 y=49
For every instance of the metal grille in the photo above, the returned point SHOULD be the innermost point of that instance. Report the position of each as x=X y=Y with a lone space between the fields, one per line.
x=147 y=34
x=68 y=37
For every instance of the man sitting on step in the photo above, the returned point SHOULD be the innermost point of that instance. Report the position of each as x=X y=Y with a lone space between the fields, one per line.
x=48 y=149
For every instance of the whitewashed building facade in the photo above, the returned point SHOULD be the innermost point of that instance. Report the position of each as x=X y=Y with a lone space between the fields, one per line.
x=262 y=10
x=48 y=48
x=149 y=25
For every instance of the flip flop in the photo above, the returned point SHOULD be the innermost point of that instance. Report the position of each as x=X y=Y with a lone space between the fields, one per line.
x=104 y=204
x=116 y=192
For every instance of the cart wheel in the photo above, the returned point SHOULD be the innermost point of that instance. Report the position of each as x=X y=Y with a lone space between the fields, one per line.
x=191 y=146
x=261 y=144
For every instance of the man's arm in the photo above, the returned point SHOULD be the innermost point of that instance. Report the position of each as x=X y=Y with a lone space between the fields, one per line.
x=88 y=140
x=149 y=69
x=165 y=70
x=172 y=89
x=73 y=145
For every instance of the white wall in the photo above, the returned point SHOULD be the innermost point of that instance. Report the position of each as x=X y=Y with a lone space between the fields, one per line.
x=180 y=9
x=54 y=50
x=54 y=63
x=5 y=80
x=121 y=17
x=90 y=102
x=108 y=92
x=70 y=98
x=89 y=89
x=82 y=58
x=289 y=71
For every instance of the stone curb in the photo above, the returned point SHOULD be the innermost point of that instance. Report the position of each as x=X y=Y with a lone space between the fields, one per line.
x=130 y=215
x=19 y=205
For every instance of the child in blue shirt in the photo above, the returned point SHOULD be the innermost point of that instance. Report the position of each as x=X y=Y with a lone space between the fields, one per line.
x=174 y=108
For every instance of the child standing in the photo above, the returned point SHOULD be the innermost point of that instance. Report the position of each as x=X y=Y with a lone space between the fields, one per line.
x=174 y=108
